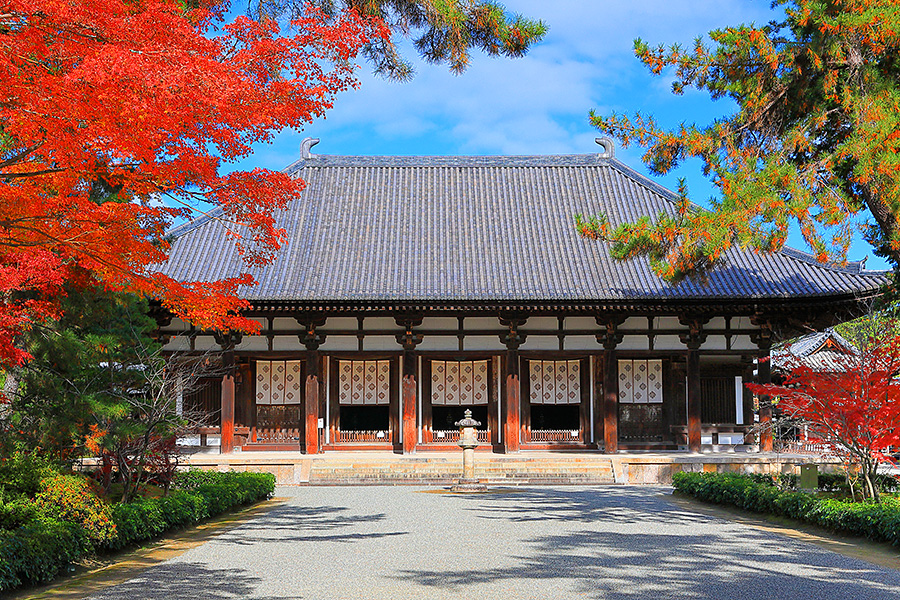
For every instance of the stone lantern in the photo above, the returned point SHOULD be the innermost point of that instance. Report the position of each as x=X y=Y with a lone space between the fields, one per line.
x=468 y=440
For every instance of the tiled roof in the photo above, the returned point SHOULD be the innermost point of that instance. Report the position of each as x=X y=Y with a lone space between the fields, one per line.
x=386 y=228
x=815 y=351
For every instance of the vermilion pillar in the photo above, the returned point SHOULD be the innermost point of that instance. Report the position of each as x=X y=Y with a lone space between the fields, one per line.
x=610 y=402
x=409 y=390
x=311 y=403
x=512 y=431
x=227 y=439
x=764 y=375
x=693 y=400
x=409 y=401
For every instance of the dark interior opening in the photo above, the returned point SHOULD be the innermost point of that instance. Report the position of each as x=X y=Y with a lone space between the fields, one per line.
x=555 y=416
x=444 y=417
x=365 y=418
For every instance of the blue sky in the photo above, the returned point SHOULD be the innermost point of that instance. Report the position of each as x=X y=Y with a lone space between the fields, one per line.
x=538 y=104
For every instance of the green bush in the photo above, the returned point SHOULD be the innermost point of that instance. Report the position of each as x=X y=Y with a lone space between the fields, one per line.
x=199 y=495
x=39 y=550
x=70 y=498
x=21 y=474
x=65 y=522
x=875 y=521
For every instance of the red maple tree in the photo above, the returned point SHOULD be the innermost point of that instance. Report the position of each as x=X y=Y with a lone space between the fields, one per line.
x=852 y=403
x=116 y=117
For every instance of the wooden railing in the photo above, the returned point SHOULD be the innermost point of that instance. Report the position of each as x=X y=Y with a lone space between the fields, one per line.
x=451 y=436
x=279 y=435
x=377 y=436
x=801 y=447
x=555 y=435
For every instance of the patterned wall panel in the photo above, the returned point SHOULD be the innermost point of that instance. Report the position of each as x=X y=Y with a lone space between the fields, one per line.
x=293 y=382
x=459 y=382
x=364 y=382
x=555 y=381
x=263 y=382
x=279 y=382
x=640 y=381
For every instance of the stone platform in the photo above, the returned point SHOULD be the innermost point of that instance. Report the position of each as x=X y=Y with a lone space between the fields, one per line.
x=524 y=468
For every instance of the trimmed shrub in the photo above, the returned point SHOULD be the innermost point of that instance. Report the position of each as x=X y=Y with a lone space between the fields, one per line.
x=21 y=474
x=39 y=550
x=875 y=521
x=66 y=521
x=70 y=498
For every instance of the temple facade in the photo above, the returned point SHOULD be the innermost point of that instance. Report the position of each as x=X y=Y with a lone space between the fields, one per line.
x=413 y=288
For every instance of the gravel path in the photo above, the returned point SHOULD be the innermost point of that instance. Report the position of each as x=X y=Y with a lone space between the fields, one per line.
x=544 y=543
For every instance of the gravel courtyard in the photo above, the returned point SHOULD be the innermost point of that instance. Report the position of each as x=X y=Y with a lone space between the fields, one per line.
x=542 y=543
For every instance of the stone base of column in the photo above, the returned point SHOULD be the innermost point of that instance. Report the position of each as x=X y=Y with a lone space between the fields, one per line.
x=468 y=486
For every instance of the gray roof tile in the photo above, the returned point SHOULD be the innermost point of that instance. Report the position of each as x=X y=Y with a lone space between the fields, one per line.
x=474 y=228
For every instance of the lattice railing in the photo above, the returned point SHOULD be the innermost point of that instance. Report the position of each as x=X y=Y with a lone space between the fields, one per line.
x=374 y=436
x=266 y=435
x=451 y=436
x=802 y=447
x=555 y=435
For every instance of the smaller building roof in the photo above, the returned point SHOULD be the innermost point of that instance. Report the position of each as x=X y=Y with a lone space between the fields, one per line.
x=820 y=351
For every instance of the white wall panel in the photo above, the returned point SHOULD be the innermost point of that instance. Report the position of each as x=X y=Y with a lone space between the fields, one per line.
x=634 y=342
x=372 y=323
x=667 y=342
x=742 y=342
x=483 y=342
x=339 y=342
x=287 y=342
x=443 y=323
x=582 y=342
x=540 y=323
x=286 y=324
x=341 y=323
x=482 y=323
x=253 y=343
x=381 y=342
x=439 y=342
x=580 y=323
x=540 y=342
x=180 y=343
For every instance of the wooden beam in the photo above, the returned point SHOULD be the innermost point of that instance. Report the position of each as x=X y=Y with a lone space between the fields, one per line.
x=610 y=402
x=693 y=400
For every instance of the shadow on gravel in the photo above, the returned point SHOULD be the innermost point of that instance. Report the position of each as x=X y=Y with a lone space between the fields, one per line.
x=292 y=523
x=678 y=555
x=586 y=505
x=188 y=580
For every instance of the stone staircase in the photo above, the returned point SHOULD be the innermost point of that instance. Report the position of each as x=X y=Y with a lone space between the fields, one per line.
x=434 y=470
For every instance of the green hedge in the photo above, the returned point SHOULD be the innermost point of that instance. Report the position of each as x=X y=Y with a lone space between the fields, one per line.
x=875 y=521
x=37 y=541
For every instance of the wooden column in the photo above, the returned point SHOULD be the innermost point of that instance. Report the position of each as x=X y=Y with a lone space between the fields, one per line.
x=610 y=402
x=598 y=377
x=311 y=403
x=512 y=431
x=227 y=439
x=312 y=341
x=693 y=400
x=763 y=341
x=227 y=340
x=764 y=375
x=693 y=339
x=610 y=337
x=409 y=398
